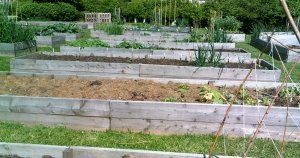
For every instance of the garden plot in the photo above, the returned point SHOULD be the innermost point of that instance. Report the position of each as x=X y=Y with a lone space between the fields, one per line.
x=126 y=105
x=38 y=151
x=231 y=55
x=82 y=25
x=179 y=45
x=289 y=51
x=152 y=68
x=142 y=36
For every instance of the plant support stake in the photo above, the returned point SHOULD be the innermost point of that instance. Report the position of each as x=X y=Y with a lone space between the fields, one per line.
x=290 y=18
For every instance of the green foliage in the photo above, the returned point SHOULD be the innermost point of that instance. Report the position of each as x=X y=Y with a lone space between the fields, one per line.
x=171 y=99
x=12 y=32
x=130 y=44
x=208 y=56
x=77 y=3
x=4 y=63
x=210 y=94
x=183 y=88
x=49 y=11
x=228 y=24
x=88 y=43
x=60 y=27
x=114 y=29
x=101 y=26
x=290 y=92
x=205 y=35
x=249 y=100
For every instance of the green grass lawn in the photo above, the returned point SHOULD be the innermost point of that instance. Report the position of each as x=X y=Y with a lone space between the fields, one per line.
x=255 y=53
x=4 y=63
x=18 y=133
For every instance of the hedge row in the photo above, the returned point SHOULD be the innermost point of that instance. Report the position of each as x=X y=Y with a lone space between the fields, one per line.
x=50 y=11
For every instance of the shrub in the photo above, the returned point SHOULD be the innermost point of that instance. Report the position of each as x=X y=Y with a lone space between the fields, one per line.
x=49 y=11
x=76 y=3
x=228 y=24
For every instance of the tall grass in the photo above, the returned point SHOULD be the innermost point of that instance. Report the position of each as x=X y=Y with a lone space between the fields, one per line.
x=114 y=29
x=11 y=32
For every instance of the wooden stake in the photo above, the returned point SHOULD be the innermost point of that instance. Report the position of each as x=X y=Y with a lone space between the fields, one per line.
x=290 y=18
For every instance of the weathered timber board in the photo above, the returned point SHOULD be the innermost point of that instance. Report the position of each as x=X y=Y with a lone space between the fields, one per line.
x=164 y=127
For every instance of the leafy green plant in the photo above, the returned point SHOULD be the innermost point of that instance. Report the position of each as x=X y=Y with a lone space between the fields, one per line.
x=211 y=94
x=60 y=28
x=183 y=88
x=130 y=44
x=247 y=97
x=88 y=43
x=114 y=29
x=171 y=99
x=290 y=92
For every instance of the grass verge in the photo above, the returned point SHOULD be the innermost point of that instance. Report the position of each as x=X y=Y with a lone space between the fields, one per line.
x=18 y=133
x=255 y=53
x=4 y=63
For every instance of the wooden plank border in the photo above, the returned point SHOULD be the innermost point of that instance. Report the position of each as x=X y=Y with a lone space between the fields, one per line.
x=141 y=70
x=38 y=151
x=147 y=116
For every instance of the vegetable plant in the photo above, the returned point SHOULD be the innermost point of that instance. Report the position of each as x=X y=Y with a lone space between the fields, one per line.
x=208 y=56
x=60 y=27
x=171 y=99
x=130 y=44
x=211 y=94
x=88 y=43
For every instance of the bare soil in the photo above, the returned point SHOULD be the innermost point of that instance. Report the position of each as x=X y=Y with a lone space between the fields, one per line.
x=135 y=61
x=137 y=90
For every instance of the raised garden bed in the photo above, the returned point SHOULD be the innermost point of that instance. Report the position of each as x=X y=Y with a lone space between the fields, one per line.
x=289 y=52
x=17 y=49
x=52 y=41
x=149 y=117
x=70 y=36
x=82 y=25
x=152 y=68
x=237 y=37
x=232 y=55
x=142 y=36
x=49 y=151
x=179 y=45
x=136 y=105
